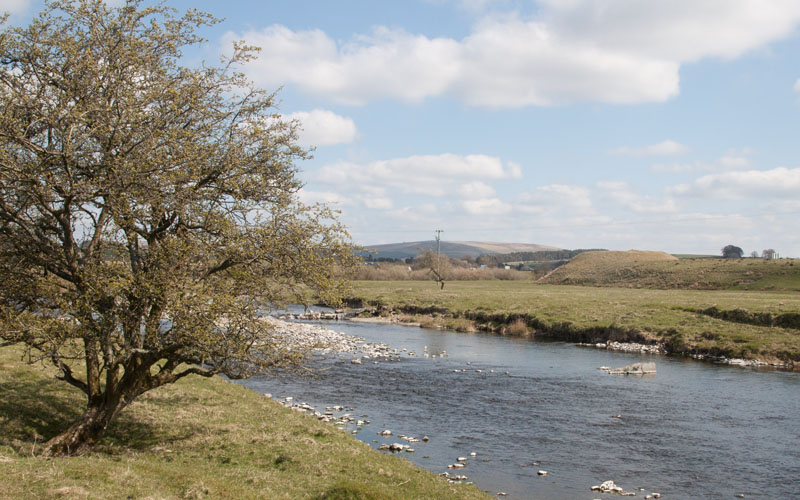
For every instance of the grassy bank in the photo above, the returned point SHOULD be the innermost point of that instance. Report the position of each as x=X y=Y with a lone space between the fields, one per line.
x=635 y=269
x=688 y=321
x=199 y=438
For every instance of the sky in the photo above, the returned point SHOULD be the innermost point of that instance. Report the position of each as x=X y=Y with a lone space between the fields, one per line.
x=668 y=125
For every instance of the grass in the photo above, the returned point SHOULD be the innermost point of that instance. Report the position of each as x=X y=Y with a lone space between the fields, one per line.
x=659 y=270
x=673 y=316
x=196 y=439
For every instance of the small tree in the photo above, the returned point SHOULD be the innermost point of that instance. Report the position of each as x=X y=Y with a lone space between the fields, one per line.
x=440 y=266
x=148 y=210
x=732 y=252
x=769 y=253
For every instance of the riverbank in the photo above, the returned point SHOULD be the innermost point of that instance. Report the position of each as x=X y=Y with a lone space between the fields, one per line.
x=747 y=328
x=198 y=438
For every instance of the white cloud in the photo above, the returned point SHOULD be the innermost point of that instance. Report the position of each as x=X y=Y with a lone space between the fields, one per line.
x=797 y=86
x=560 y=197
x=732 y=160
x=475 y=190
x=374 y=203
x=321 y=127
x=385 y=63
x=676 y=30
x=311 y=197
x=776 y=183
x=620 y=51
x=663 y=148
x=434 y=175
x=486 y=206
x=623 y=193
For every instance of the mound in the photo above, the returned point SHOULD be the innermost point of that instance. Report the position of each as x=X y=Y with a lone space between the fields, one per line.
x=607 y=268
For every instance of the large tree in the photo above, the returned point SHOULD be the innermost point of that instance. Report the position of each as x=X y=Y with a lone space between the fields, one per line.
x=148 y=211
x=732 y=252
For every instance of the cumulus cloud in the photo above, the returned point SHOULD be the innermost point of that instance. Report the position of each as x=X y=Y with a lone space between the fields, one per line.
x=628 y=51
x=663 y=148
x=433 y=175
x=561 y=197
x=622 y=193
x=676 y=30
x=321 y=127
x=477 y=189
x=732 y=160
x=776 y=183
x=310 y=197
x=377 y=203
x=384 y=63
x=486 y=206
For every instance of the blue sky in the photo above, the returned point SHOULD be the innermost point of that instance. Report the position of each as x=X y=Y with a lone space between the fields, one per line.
x=661 y=125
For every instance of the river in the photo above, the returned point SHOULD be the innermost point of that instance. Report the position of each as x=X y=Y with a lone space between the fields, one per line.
x=692 y=431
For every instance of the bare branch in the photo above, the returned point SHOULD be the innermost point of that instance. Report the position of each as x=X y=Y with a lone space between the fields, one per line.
x=66 y=375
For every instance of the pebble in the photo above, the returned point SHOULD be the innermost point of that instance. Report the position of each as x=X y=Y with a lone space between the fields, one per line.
x=312 y=338
x=630 y=347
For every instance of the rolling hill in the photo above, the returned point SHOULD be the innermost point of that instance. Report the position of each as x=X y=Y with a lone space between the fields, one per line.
x=455 y=249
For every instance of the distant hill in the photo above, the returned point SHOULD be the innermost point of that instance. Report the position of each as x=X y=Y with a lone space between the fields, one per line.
x=454 y=249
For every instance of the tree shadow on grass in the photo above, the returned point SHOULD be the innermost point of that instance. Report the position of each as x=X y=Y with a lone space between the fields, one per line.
x=33 y=410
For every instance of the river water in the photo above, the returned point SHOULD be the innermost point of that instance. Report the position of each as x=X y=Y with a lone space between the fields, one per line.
x=692 y=431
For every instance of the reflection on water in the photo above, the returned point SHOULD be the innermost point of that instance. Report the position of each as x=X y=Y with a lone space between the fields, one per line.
x=692 y=431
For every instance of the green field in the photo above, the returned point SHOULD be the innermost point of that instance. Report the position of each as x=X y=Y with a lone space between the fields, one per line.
x=196 y=439
x=670 y=316
x=636 y=269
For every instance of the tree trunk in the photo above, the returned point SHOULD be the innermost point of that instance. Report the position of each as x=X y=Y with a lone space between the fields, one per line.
x=81 y=435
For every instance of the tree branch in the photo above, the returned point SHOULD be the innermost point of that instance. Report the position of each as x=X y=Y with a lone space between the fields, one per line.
x=66 y=375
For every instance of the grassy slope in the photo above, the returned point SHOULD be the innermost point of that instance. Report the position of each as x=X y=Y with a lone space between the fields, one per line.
x=659 y=270
x=653 y=312
x=199 y=438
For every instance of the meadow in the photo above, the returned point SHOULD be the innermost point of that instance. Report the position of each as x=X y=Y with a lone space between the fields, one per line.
x=638 y=269
x=733 y=322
